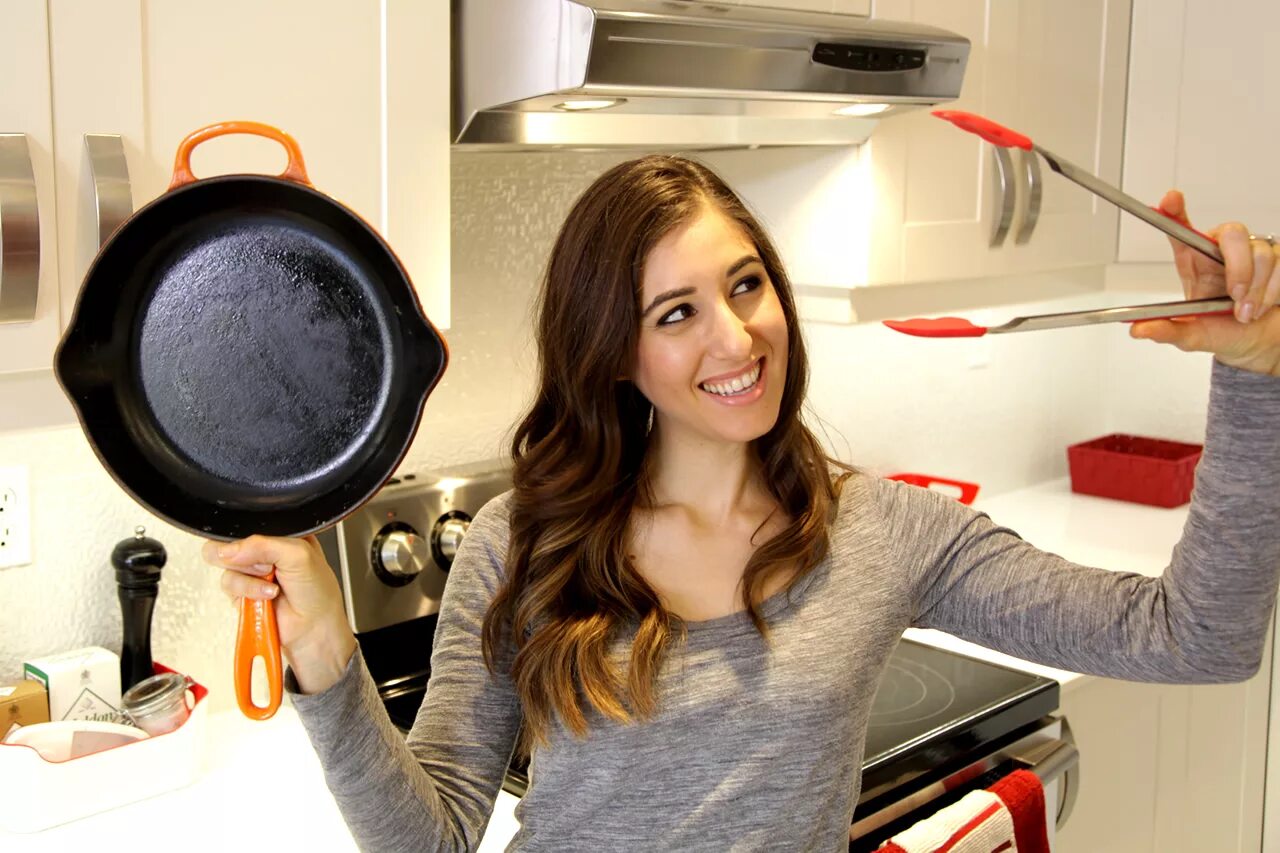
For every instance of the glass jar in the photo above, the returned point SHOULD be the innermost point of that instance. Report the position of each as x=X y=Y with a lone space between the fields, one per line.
x=158 y=704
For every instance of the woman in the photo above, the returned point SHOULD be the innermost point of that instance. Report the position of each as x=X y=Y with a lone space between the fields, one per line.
x=687 y=606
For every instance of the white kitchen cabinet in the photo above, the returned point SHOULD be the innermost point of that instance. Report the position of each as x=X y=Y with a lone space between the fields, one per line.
x=1202 y=116
x=1071 y=62
x=1168 y=768
x=26 y=109
x=1053 y=71
x=363 y=87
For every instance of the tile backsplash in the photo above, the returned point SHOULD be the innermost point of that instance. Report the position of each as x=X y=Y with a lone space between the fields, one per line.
x=998 y=412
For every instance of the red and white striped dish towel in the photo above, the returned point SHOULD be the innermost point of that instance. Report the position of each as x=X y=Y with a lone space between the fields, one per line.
x=1008 y=817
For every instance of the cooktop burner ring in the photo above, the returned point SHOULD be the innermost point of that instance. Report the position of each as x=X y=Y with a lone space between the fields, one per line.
x=910 y=692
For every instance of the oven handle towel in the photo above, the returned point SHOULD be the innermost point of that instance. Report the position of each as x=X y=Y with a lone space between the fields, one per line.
x=1008 y=815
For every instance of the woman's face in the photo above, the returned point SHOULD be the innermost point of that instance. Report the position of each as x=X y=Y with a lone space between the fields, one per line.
x=712 y=356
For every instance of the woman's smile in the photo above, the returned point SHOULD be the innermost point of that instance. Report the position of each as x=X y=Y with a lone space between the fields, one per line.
x=737 y=389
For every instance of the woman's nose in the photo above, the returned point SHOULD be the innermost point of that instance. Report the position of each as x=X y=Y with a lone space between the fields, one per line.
x=731 y=339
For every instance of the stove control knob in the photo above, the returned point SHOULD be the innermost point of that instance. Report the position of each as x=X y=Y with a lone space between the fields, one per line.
x=447 y=535
x=402 y=553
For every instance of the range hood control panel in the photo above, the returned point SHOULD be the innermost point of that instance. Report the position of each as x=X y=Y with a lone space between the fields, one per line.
x=869 y=57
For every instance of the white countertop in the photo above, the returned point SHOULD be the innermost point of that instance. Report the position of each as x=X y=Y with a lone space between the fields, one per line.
x=263 y=787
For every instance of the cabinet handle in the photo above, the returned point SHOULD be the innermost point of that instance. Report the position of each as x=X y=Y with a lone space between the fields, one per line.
x=1002 y=198
x=109 y=183
x=19 y=231
x=1035 y=189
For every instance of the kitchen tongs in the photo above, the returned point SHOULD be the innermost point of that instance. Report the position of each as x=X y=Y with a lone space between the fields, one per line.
x=953 y=327
x=958 y=327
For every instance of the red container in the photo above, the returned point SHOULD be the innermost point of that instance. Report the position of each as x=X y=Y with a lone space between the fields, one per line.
x=1133 y=468
x=959 y=489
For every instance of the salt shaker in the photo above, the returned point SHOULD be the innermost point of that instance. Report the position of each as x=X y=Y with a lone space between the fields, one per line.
x=138 y=562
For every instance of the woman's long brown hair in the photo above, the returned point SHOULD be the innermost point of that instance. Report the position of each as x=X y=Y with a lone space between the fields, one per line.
x=571 y=591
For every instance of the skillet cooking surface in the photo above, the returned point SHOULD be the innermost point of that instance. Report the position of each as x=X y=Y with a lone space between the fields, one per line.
x=259 y=358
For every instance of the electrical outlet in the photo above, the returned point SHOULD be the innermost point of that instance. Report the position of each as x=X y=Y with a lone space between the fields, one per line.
x=15 y=517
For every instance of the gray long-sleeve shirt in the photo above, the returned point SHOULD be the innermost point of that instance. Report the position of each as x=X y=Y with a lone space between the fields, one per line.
x=758 y=746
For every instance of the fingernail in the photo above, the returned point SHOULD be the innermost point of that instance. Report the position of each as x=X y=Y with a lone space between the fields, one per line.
x=1246 y=312
x=268 y=590
x=228 y=550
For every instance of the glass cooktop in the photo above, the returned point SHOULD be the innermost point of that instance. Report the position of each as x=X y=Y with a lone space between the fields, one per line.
x=934 y=706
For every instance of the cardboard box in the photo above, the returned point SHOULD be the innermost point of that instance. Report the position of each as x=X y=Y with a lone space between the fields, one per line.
x=22 y=704
x=83 y=684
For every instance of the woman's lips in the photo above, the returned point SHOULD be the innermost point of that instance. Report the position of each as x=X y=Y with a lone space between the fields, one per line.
x=725 y=393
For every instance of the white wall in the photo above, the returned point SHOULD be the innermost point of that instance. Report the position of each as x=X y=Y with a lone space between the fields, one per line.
x=889 y=402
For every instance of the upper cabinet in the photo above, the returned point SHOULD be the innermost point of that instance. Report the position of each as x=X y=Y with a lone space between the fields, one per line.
x=946 y=204
x=28 y=258
x=1202 y=116
x=363 y=87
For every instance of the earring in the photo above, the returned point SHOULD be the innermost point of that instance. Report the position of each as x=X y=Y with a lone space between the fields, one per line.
x=649 y=426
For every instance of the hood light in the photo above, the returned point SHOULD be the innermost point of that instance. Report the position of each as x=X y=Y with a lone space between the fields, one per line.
x=862 y=109
x=581 y=104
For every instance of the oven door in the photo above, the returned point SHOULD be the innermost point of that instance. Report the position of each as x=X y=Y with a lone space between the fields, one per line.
x=1046 y=749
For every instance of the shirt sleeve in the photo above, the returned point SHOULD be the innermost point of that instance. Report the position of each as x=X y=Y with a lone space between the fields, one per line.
x=435 y=790
x=1204 y=620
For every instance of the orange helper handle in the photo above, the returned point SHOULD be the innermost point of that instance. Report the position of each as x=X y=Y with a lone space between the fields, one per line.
x=258 y=636
x=295 y=170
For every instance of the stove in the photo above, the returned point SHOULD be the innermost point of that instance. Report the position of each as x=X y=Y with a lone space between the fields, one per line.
x=939 y=718
x=943 y=724
x=392 y=558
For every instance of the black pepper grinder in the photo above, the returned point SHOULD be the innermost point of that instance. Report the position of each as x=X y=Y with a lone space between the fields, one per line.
x=138 y=562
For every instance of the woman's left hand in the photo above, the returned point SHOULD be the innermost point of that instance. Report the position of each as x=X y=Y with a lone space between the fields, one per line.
x=1251 y=276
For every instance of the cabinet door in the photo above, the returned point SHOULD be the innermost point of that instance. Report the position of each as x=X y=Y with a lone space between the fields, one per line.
x=362 y=86
x=1202 y=116
x=25 y=109
x=1071 y=64
x=935 y=197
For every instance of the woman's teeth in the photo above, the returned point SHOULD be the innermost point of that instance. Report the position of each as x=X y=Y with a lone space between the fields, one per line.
x=736 y=385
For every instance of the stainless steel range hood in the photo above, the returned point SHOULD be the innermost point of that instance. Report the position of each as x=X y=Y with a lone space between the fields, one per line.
x=536 y=74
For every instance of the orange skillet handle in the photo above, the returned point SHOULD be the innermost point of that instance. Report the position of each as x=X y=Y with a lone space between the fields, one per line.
x=258 y=635
x=295 y=170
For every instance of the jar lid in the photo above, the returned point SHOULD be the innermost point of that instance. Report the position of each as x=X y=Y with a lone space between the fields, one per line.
x=154 y=693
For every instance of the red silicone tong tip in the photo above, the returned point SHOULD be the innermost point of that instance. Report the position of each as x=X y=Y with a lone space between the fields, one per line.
x=942 y=327
x=996 y=134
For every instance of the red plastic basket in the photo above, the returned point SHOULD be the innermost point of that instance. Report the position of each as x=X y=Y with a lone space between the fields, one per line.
x=1151 y=471
x=961 y=490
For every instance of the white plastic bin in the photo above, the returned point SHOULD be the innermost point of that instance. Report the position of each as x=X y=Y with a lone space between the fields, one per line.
x=36 y=794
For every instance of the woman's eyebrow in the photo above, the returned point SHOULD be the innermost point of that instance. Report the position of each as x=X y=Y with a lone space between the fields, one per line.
x=740 y=263
x=664 y=296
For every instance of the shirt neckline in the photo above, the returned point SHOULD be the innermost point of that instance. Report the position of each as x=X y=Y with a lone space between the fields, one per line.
x=771 y=606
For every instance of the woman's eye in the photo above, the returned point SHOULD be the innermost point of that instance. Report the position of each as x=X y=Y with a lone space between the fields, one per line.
x=675 y=315
x=748 y=284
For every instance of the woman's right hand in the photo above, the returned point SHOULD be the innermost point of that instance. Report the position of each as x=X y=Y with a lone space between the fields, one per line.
x=314 y=635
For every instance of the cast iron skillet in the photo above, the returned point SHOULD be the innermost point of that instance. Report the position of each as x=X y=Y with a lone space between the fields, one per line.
x=248 y=356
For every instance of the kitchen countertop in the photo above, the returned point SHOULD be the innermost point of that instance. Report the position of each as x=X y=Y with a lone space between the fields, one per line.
x=262 y=789
x=291 y=807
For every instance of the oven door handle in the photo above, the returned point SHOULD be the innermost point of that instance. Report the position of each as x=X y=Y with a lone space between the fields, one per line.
x=1049 y=760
